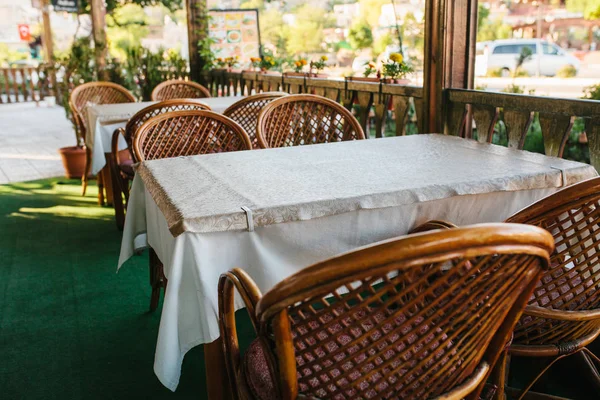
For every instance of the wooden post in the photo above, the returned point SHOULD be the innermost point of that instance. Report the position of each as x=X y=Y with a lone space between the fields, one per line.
x=98 y=12
x=197 y=23
x=48 y=46
x=450 y=38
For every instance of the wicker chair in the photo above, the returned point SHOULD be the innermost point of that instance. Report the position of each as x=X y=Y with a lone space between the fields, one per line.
x=122 y=160
x=80 y=98
x=179 y=89
x=417 y=317
x=563 y=314
x=245 y=112
x=305 y=119
x=184 y=133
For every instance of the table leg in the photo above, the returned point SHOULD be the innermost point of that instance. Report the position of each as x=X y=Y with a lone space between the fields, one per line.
x=107 y=181
x=217 y=382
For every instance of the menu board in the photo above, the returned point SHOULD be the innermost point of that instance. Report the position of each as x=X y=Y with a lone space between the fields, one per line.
x=235 y=33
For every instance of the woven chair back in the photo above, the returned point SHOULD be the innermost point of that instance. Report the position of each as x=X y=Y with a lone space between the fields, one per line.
x=186 y=133
x=179 y=89
x=138 y=119
x=305 y=119
x=571 y=285
x=411 y=318
x=245 y=112
x=94 y=93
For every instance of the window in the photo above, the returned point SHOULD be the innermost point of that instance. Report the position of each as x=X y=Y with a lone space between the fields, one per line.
x=550 y=50
x=506 y=49
x=531 y=47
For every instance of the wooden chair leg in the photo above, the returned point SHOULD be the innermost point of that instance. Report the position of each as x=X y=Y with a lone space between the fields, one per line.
x=86 y=172
x=117 y=198
x=100 y=182
x=158 y=280
x=217 y=380
x=500 y=375
x=590 y=364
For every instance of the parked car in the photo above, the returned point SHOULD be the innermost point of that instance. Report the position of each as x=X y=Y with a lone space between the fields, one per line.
x=503 y=54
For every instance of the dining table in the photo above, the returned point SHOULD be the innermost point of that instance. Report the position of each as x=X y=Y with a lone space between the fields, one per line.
x=104 y=119
x=273 y=212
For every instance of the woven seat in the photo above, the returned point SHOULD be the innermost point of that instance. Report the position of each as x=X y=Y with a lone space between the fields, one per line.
x=305 y=119
x=94 y=93
x=184 y=133
x=122 y=160
x=245 y=112
x=179 y=89
x=417 y=317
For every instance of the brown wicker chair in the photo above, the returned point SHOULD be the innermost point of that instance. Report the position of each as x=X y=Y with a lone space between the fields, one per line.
x=184 y=133
x=79 y=99
x=245 y=112
x=417 y=317
x=305 y=119
x=122 y=160
x=563 y=314
x=179 y=89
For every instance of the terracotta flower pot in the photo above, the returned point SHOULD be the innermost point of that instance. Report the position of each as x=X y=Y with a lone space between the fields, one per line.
x=396 y=81
x=73 y=159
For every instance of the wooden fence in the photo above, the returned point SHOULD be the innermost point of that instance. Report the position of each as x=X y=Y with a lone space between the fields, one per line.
x=23 y=84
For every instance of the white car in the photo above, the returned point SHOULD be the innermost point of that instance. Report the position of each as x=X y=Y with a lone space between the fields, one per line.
x=503 y=55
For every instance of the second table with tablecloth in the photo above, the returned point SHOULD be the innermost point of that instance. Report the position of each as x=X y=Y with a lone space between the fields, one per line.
x=273 y=212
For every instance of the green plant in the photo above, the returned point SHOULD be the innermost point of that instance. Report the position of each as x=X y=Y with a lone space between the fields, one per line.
x=395 y=67
x=494 y=72
x=592 y=92
x=319 y=64
x=360 y=35
x=567 y=71
x=370 y=68
x=299 y=65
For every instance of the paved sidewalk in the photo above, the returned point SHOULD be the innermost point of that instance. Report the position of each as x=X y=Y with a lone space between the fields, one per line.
x=30 y=137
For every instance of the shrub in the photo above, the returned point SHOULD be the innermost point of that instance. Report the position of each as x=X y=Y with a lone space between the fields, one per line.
x=592 y=92
x=494 y=73
x=567 y=71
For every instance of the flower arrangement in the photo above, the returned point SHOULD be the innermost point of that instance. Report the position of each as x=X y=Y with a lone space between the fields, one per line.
x=370 y=68
x=319 y=64
x=299 y=64
x=229 y=62
x=264 y=63
x=395 y=67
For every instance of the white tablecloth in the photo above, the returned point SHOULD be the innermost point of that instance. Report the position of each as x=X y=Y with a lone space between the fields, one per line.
x=443 y=178
x=104 y=119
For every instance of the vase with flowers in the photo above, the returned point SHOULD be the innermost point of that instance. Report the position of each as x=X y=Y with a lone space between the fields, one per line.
x=316 y=67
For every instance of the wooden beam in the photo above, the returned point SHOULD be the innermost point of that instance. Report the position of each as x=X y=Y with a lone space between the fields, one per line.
x=450 y=38
x=197 y=23
x=98 y=12
x=47 y=33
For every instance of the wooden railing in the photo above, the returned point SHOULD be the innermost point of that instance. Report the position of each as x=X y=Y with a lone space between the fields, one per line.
x=23 y=84
x=376 y=105
x=517 y=113
x=469 y=113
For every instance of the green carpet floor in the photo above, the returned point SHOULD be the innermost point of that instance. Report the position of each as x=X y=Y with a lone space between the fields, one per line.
x=72 y=328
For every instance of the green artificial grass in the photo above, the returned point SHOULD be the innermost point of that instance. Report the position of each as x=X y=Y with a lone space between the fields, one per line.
x=72 y=328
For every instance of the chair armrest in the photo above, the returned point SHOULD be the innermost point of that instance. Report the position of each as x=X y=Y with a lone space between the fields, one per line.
x=432 y=225
x=562 y=315
x=235 y=279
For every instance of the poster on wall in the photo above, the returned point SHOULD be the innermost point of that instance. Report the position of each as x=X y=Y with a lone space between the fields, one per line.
x=235 y=33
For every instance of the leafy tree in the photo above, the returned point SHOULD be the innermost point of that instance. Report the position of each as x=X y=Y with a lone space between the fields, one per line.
x=381 y=43
x=371 y=10
x=491 y=30
x=306 y=35
x=360 y=35
x=126 y=26
x=590 y=8
x=112 y=5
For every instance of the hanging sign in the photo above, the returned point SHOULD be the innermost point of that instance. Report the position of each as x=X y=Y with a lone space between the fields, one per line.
x=66 y=5
x=235 y=33
x=24 y=32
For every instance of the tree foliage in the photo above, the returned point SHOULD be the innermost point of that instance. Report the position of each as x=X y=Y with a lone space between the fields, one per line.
x=491 y=30
x=360 y=35
x=589 y=8
x=111 y=5
x=306 y=34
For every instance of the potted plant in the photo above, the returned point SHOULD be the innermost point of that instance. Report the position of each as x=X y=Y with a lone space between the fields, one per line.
x=298 y=68
x=370 y=69
x=395 y=70
x=317 y=66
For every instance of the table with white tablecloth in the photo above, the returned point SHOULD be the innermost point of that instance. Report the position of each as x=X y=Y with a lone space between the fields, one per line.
x=104 y=119
x=273 y=212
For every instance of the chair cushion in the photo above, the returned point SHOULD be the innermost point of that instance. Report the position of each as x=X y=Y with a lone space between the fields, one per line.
x=126 y=167
x=259 y=376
